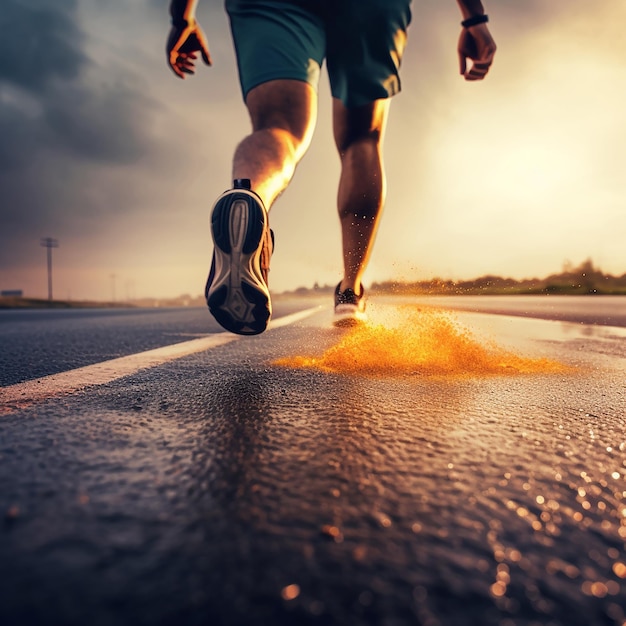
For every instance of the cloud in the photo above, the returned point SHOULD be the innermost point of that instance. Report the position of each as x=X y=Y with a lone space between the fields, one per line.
x=63 y=116
x=40 y=42
x=99 y=122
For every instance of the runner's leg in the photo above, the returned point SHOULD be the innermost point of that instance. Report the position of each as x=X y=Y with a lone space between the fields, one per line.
x=283 y=115
x=358 y=135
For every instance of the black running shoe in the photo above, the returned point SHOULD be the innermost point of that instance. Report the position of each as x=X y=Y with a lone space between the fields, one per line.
x=349 y=308
x=236 y=292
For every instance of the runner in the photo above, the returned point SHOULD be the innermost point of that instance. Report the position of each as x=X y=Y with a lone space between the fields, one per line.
x=280 y=46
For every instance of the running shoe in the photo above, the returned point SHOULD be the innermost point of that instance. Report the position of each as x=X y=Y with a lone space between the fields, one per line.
x=349 y=308
x=237 y=292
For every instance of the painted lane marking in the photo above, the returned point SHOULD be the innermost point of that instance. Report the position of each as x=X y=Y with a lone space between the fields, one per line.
x=287 y=320
x=21 y=395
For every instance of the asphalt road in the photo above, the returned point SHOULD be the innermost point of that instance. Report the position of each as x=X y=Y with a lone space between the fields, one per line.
x=227 y=488
x=40 y=342
x=602 y=310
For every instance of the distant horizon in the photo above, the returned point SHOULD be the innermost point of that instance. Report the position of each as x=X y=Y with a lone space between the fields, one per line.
x=119 y=161
x=585 y=267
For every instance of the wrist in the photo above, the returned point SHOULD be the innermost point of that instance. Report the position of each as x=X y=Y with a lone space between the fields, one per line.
x=183 y=13
x=181 y=22
x=475 y=20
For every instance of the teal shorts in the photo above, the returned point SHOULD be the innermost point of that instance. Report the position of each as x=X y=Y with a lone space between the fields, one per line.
x=362 y=42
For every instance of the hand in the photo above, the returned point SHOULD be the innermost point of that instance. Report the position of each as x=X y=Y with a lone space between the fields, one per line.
x=183 y=43
x=476 y=43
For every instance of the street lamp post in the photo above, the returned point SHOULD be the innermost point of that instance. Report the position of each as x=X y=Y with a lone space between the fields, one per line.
x=49 y=243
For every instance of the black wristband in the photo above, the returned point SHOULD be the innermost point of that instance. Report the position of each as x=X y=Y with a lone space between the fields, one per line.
x=473 y=21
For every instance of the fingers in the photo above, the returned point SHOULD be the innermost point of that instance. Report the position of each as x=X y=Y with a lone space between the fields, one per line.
x=481 y=63
x=182 y=48
x=174 y=64
x=462 y=64
x=476 y=44
x=203 y=47
x=182 y=63
x=186 y=63
x=478 y=71
x=175 y=42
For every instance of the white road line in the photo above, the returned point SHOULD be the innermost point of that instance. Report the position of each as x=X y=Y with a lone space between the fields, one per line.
x=286 y=320
x=23 y=394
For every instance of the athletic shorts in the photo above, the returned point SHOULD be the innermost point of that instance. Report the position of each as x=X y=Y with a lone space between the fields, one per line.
x=362 y=42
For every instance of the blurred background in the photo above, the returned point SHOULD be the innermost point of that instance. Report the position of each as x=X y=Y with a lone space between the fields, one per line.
x=103 y=149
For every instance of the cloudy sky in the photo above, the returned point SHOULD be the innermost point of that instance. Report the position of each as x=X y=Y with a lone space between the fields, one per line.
x=104 y=149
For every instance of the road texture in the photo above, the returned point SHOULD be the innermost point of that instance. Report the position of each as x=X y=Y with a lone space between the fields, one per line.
x=40 y=342
x=275 y=480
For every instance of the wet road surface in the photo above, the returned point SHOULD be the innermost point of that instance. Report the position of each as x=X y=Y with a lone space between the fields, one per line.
x=222 y=488
x=590 y=309
x=40 y=342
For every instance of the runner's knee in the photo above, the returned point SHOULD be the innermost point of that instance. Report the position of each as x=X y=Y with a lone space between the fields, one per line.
x=359 y=125
x=283 y=105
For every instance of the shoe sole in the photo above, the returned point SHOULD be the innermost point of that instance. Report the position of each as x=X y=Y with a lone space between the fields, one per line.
x=238 y=296
x=348 y=316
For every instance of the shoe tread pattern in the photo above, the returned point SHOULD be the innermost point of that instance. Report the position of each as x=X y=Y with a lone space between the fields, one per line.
x=241 y=303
